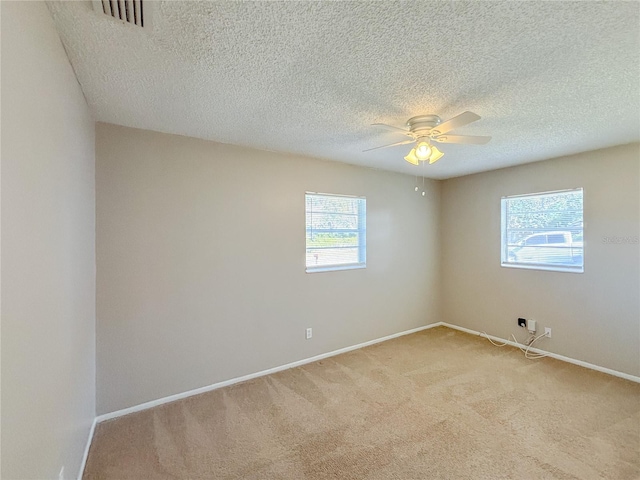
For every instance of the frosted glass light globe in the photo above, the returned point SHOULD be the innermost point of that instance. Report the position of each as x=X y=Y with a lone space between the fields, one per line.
x=423 y=150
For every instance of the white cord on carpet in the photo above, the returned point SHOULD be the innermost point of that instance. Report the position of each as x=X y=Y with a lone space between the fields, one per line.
x=494 y=343
x=532 y=339
x=530 y=343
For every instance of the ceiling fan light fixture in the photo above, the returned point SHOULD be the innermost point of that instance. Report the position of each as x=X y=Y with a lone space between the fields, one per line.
x=423 y=150
x=411 y=157
x=423 y=129
x=435 y=155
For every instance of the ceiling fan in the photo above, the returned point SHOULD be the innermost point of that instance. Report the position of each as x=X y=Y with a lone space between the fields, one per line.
x=425 y=128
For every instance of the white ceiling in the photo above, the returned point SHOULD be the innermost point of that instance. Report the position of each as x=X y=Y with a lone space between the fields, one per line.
x=547 y=78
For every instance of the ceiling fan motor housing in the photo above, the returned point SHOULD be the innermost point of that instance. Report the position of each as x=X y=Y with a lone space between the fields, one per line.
x=421 y=125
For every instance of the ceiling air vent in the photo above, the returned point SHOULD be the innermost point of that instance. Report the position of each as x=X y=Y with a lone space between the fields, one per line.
x=129 y=11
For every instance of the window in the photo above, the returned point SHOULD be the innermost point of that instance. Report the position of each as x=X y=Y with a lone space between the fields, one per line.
x=543 y=231
x=336 y=232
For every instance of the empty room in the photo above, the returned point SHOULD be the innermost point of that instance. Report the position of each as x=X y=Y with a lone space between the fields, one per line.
x=320 y=240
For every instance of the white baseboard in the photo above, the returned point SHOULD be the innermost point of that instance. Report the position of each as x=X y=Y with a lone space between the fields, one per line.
x=85 y=455
x=244 y=378
x=262 y=373
x=580 y=363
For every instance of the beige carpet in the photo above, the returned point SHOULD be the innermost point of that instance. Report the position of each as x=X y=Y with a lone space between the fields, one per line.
x=438 y=404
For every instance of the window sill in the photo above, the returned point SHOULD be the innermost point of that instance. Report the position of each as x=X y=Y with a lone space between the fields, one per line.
x=550 y=268
x=332 y=268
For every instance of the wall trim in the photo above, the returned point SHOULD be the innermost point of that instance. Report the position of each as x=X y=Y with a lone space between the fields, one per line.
x=85 y=455
x=580 y=363
x=269 y=371
x=262 y=373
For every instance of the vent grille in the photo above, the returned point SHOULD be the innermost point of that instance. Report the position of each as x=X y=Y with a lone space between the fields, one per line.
x=130 y=11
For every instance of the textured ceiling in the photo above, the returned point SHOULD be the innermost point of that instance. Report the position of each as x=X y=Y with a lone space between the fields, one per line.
x=547 y=78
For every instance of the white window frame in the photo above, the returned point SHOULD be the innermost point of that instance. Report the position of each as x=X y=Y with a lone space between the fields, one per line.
x=506 y=261
x=361 y=231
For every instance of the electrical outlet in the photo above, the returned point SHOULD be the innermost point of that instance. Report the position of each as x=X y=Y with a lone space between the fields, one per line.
x=531 y=325
x=61 y=474
x=522 y=322
x=309 y=333
x=547 y=332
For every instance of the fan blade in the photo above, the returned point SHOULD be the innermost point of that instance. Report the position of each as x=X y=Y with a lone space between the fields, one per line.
x=455 y=122
x=392 y=128
x=470 y=139
x=404 y=142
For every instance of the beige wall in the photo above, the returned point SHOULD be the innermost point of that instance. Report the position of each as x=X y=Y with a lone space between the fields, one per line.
x=48 y=251
x=201 y=273
x=594 y=316
x=201 y=259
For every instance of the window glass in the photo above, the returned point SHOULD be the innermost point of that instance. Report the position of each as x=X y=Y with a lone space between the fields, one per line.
x=335 y=232
x=543 y=231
